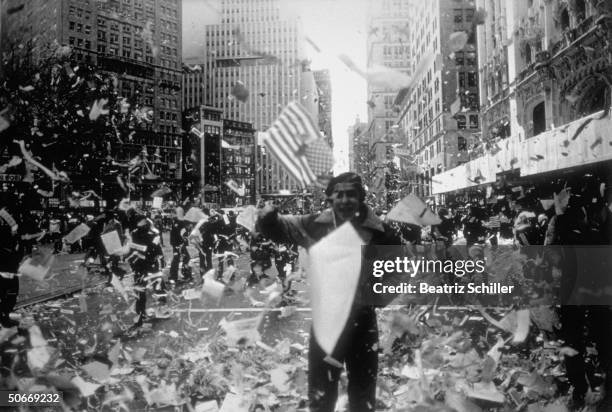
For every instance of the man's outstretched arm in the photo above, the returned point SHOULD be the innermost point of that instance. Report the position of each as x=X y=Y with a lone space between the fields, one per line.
x=279 y=228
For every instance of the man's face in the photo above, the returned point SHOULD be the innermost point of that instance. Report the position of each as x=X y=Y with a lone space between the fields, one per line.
x=345 y=200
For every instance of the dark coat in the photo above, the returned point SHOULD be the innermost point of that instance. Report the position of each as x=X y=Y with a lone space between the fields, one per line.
x=307 y=230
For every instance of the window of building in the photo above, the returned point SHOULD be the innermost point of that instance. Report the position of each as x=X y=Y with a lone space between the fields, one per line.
x=539 y=119
x=528 y=59
x=474 y=121
x=471 y=79
x=461 y=143
x=580 y=8
x=469 y=15
x=459 y=58
x=71 y=25
x=565 y=19
x=470 y=59
x=461 y=123
x=461 y=79
x=458 y=13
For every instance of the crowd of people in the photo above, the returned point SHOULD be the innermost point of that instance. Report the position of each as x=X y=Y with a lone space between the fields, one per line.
x=214 y=241
x=210 y=244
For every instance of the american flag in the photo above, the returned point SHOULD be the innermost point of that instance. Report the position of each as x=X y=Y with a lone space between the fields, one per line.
x=294 y=140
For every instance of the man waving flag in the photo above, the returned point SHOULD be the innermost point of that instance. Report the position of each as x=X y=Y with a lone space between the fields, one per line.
x=294 y=140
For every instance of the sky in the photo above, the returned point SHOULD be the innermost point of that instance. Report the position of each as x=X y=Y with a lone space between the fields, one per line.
x=337 y=27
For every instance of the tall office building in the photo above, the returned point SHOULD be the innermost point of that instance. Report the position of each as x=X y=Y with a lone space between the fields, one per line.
x=255 y=45
x=388 y=44
x=546 y=75
x=324 y=91
x=194 y=83
x=441 y=114
x=358 y=148
x=137 y=40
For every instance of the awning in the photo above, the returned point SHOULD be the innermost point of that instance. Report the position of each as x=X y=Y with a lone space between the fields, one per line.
x=581 y=142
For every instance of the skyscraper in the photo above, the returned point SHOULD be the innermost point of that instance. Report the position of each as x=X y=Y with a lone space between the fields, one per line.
x=440 y=115
x=137 y=40
x=324 y=91
x=255 y=45
x=388 y=45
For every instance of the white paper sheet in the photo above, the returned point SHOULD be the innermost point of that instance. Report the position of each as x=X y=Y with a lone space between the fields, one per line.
x=335 y=265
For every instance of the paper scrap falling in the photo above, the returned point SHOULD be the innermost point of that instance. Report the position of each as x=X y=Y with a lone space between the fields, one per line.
x=334 y=274
x=412 y=209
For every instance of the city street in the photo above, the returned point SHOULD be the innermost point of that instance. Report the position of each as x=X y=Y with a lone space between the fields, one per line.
x=183 y=355
x=408 y=203
x=92 y=326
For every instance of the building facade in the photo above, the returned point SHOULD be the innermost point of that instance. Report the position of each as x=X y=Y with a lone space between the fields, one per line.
x=558 y=59
x=324 y=102
x=218 y=153
x=202 y=155
x=388 y=45
x=440 y=116
x=358 y=147
x=237 y=163
x=255 y=45
x=194 y=84
x=139 y=41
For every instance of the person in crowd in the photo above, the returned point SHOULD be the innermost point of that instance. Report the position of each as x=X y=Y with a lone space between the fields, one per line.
x=445 y=230
x=283 y=256
x=11 y=254
x=346 y=196
x=586 y=220
x=222 y=232
x=262 y=251
x=473 y=228
x=159 y=225
x=493 y=225
x=179 y=240
x=55 y=232
x=112 y=223
x=94 y=245
x=144 y=258
x=206 y=231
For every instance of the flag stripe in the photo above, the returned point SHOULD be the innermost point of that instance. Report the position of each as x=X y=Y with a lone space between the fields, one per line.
x=297 y=165
x=287 y=139
x=283 y=155
x=306 y=120
x=291 y=134
x=280 y=152
x=298 y=131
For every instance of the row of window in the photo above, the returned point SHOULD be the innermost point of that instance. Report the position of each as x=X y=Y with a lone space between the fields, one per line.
x=78 y=42
x=169 y=25
x=461 y=121
x=78 y=12
x=79 y=27
x=468 y=79
x=463 y=15
x=169 y=11
x=163 y=115
x=465 y=58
